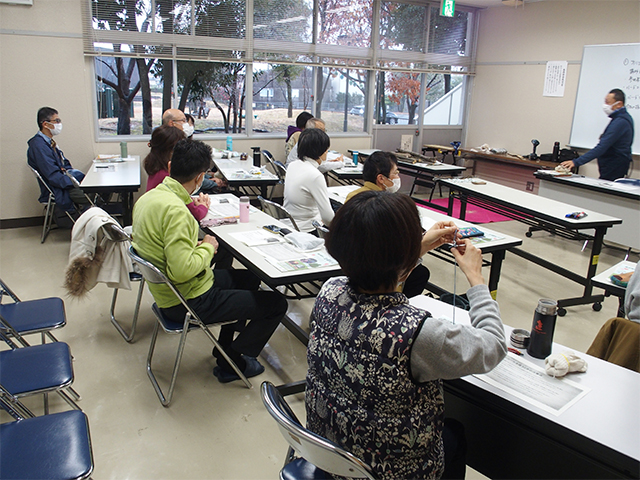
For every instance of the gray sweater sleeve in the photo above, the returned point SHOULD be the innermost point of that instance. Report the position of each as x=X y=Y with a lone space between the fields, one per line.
x=447 y=351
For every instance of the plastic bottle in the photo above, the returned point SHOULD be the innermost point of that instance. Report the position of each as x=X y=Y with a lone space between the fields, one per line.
x=544 y=324
x=124 y=150
x=556 y=152
x=354 y=155
x=229 y=143
x=244 y=209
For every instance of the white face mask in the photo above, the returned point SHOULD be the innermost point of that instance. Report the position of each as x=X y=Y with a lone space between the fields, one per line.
x=188 y=129
x=395 y=187
x=199 y=186
x=608 y=110
x=57 y=128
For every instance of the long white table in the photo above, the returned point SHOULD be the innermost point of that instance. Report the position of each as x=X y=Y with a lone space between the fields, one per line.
x=611 y=198
x=493 y=242
x=603 y=280
x=121 y=177
x=265 y=270
x=507 y=437
x=540 y=214
x=240 y=174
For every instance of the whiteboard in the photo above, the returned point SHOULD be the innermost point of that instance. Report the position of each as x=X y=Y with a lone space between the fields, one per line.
x=605 y=67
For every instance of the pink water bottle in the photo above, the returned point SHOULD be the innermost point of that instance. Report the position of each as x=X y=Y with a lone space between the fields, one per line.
x=244 y=209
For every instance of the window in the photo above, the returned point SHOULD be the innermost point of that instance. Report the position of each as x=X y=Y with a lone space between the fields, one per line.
x=280 y=93
x=196 y=54
x=340 y=92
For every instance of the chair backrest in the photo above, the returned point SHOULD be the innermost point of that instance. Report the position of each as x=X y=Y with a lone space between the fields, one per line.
x=5 y=290
x=321 y=229
x=152 y=274
x=281 y=169
x=277 y=211
x=271 y=161
x=42 y=182
x=313 y=448
x=115 y=233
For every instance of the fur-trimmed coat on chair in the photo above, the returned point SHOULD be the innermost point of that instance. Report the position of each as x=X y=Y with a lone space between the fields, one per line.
x=94 y=258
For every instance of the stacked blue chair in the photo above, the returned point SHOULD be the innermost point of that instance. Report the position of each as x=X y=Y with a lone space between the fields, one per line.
x=56 y=446
x=38 y=369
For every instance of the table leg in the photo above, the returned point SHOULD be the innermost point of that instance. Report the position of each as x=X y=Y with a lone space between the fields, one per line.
x=127 y=206
x=494 y=273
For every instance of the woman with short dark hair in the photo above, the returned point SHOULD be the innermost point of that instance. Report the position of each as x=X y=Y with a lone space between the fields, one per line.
x=376 y=363
x=306 y=196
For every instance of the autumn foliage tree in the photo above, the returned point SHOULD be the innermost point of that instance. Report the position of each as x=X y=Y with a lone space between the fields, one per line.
x=405 y=87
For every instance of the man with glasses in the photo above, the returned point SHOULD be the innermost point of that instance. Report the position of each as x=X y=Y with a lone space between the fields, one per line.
x=176 y=118
x=45 y=156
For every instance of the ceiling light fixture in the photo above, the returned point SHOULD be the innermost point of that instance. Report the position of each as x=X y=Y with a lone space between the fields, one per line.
x=512 y=3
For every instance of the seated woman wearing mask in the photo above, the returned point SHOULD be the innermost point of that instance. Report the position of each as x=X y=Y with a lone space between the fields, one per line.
x=380 y=173
x=376 y=363
x=306 y=196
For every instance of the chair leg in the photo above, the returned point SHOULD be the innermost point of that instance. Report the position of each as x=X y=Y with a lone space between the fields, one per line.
x=226 y=357
x=68 y=399
x=48 y=218
x=112 y=312
x=165 y=400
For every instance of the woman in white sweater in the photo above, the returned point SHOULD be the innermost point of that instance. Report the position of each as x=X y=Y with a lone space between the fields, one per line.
x=306 y=196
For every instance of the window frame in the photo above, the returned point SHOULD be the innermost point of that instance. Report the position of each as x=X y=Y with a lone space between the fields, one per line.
x=247 y=50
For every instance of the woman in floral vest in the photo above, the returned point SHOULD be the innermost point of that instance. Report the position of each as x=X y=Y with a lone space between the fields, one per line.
x=376 y=363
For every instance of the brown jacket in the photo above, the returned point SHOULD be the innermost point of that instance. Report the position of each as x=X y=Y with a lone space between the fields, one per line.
x=618 y=341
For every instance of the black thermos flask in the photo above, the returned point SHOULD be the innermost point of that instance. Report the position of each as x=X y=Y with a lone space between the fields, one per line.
x=544 y=324
x=556 y=152
x=256 y=156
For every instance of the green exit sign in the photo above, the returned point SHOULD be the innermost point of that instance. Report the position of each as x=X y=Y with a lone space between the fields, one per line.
x=447 y=7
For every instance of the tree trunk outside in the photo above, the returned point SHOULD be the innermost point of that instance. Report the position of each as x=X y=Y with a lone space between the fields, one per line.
x=145 y=87
x=124 y=118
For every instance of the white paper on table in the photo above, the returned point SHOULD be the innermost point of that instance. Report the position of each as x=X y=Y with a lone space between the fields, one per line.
x=256 y=237
x=530 y=383
x=224 y=210
x=280 y=252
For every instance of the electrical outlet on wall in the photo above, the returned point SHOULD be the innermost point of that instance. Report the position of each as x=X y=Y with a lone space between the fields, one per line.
x=406 y=142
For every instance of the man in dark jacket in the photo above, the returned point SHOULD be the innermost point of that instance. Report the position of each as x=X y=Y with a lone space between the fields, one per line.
x=45 y=156
x=614 y=148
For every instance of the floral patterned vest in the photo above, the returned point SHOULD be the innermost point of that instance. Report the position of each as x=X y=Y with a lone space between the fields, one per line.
x=360 y=393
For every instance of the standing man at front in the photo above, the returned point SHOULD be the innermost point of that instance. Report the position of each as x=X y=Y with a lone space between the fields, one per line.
x=45 y=156
x=166 y=234
x=614 y=148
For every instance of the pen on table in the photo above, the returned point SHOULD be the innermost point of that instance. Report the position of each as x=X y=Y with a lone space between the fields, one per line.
x=513 y=350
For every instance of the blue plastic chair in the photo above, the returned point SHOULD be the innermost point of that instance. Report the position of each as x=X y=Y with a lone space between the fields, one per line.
x=38 y=369
x=319 y=458
x=56 y=446
x=32 y=316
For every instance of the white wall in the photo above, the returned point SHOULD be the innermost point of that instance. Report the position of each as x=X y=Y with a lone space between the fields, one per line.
x=507 y=107
x=42 y=64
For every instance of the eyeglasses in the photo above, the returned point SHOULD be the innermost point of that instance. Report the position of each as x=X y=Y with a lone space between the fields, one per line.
x=57 y=120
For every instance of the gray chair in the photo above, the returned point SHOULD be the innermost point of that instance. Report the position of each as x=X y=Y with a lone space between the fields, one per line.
x=191 y=322
x=278 y=168
x=320 y=228
x=277 y=211
x=49 y=206
x=116 y=233
x=319 y=458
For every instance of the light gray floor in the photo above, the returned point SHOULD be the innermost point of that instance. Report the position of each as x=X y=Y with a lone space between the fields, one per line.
x=222 y=431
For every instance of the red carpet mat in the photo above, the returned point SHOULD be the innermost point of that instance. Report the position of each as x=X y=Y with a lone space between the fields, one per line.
x=475 y=214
